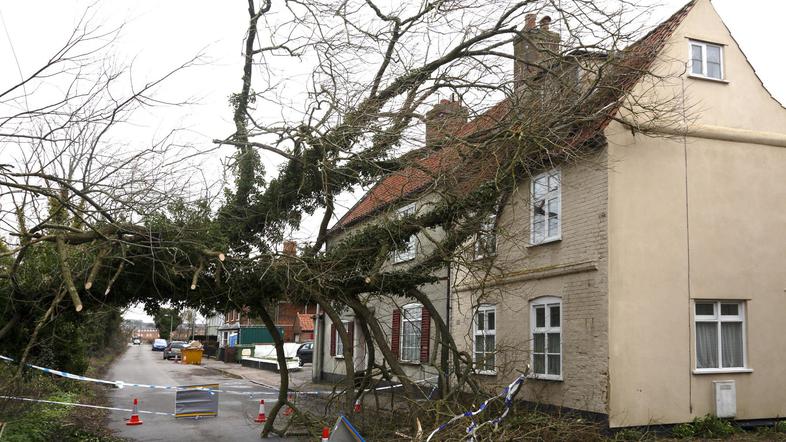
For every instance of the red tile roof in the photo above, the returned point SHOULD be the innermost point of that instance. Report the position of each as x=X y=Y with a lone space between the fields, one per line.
x=422 y=174
x=306 y=321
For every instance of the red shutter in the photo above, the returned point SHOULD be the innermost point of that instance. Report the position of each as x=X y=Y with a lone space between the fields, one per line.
x=425 y=334
x=351 y=333
x=332 y=339
x=396 y=333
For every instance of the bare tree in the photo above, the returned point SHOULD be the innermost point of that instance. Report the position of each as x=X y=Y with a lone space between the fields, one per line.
x=78 y=207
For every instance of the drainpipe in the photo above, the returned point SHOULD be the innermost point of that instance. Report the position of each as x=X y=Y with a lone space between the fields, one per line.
x=319 y=326
x=445 y=357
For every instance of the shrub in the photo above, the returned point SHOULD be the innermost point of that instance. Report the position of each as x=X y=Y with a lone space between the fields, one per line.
x=630 y=434
x=708 y=426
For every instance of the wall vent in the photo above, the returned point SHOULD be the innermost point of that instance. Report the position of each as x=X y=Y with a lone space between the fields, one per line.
x=725 y=398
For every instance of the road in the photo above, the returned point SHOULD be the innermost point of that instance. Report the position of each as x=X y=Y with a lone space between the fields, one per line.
x=236 y=413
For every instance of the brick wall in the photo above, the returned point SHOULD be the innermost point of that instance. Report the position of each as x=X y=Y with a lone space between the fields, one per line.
x=573 y=269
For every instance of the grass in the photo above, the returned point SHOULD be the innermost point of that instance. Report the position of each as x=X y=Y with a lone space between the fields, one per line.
x=33 y=422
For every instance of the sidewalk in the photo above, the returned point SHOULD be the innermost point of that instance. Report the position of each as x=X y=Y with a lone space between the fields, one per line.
x=299 y=380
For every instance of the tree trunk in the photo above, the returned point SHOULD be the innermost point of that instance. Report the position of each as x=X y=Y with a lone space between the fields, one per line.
x=381 y=341
x=278 y=341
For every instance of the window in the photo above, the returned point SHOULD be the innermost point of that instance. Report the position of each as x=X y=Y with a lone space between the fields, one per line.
x=411 y=317
x=339 y=343
x=546 y=212
x=485 y=337
x=409 y=251
x=486 y=238
x=706 y=60
x=547 y=338
x=720 y=334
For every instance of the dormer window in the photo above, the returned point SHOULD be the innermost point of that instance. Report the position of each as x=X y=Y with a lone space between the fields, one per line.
x=706 y=60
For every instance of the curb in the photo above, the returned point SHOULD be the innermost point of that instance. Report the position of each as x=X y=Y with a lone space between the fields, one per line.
x=226 y=373
x=261 y=384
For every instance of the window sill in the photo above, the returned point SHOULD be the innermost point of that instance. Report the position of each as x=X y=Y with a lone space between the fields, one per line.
x=546 y=241
x=546 y=377
x=701 y=77
x=402 y=260
x=721 y=370
x=484 y=257
x=486 y=372
x=339 y=356
x=410 y=362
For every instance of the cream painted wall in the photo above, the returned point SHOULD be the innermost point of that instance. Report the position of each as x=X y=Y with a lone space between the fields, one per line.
x=696 y=218
x=736 y=249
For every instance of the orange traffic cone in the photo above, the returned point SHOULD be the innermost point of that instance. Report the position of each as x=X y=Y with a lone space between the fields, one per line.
x=261 y=417
x=135 y=420
x=289 y=410
x=325 y=434
x=356 y=409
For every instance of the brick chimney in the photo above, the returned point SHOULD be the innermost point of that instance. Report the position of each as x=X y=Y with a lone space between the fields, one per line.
x=290 y=247
x=537 y=45
x=443 y=121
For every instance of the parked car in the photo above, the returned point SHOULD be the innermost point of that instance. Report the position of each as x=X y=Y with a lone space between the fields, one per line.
x=173 y=349
x=136 y=340
x=159 y=345
x=306 y=353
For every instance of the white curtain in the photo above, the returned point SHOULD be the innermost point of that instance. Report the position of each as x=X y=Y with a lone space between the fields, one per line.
x=706 y=345
x=731 y=342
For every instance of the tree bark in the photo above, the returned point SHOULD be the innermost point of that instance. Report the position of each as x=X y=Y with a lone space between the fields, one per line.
x=278 y=341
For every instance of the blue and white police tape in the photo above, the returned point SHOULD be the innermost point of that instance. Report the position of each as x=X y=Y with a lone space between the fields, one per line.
x=508 y=393
x=251 y=394
x=123 y=384
x=64 y=374
x=72 y=404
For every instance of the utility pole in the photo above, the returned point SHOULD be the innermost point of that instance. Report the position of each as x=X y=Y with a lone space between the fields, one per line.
x=171 y=319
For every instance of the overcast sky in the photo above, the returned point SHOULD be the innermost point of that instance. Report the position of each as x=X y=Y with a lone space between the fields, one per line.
x=160 y=35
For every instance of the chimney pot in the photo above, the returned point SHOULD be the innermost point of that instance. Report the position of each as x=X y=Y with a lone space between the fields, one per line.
x=529 y=21
x=290 y=247
x=534 y=49
x=545 y=22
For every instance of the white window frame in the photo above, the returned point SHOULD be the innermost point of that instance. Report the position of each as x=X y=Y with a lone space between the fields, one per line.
x=546 y=302
x=703 y=45
x=718 y=318
x=340 y=343
x=415 y=323
x=412 y=247
x=484 y=309
x=488 y=231
x=548 y=236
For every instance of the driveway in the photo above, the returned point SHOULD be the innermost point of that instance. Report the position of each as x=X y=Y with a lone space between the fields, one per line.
x=236 y=412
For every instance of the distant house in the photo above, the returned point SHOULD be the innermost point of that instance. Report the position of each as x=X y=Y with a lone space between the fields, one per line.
x=644 y=284
x=146 y=334
x=305 y=323
x=296 y=321
x=293 y=319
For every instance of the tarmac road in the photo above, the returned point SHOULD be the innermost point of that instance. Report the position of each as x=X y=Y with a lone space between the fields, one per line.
x=236 y=412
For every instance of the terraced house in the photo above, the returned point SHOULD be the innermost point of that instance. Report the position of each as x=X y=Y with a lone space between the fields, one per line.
x=644 y=283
